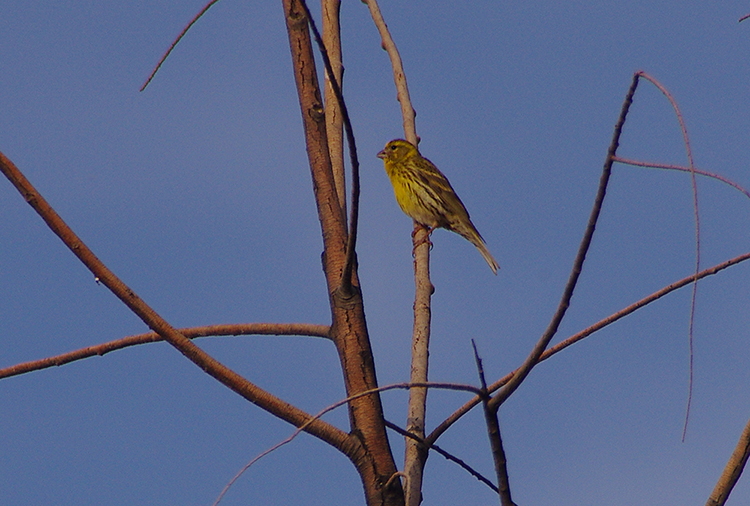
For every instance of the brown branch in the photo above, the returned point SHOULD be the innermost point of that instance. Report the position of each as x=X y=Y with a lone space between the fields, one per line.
x=331 y=10
x=453 y=418
x=493 y=432
x=448 y=456
x=407 y=111
x=719 y=177
x=375 y=463
x=544 y=341
x=239 y=329
x=178 y=39
x=732 y=471
x=415 y=457
x=324 y=431
x=351 y=245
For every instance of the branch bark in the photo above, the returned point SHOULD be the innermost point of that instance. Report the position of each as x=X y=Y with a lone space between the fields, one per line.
x=732 y=471
x=239 y=329
x=211 y=366
x=375 y=463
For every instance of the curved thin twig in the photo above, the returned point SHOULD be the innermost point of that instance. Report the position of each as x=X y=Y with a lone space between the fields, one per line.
x=178 y=39
x=694 y=183
x=718 y=177
x=453 y=418
x=395 y=386
x=238 y=329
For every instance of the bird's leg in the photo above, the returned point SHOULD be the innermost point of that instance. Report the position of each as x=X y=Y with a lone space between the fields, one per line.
x=425 y=239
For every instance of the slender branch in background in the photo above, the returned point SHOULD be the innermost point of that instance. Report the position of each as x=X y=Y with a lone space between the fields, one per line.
x=493 y=432
x=448 y=422
x=178 y=39
x=238 y=329
x=445 y=454
x=407 y=111
x=324 y=431
x=544 y=341
x=743 y=18
x=346 y=278
x=691 y=323
x=732 y=471
x=699 y=172
x=415 y=455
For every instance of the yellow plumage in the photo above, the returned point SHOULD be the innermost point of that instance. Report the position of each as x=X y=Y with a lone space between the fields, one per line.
x=425 y=194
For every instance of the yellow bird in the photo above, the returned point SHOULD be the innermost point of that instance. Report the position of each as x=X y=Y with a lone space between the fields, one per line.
x=425 y=194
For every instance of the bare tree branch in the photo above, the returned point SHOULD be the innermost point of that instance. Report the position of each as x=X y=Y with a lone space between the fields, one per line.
x=732 y=471
x=453 y=418
x=407 y=111
x=324 y=431
x=543 y=342
x=448 y=456
x=375 y=463
x=712 y=175
x=694 y=183
x=346 y=278
x=176 y=41
x=496 y=440
x=238 y=329
x=334 y=122
x=415 y=456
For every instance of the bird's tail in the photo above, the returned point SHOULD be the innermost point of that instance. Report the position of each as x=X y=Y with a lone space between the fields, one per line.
x=472 y=235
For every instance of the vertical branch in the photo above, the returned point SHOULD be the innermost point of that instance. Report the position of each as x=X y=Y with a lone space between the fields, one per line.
x=493 y=432
x=415 y=454
x=334 y=122
x=375 y=464
x=407 y=111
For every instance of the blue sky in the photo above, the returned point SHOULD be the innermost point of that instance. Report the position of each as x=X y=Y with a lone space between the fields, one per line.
x=197 y=194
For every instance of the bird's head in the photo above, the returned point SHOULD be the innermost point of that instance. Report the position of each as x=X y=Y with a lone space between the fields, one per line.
x=398 y=150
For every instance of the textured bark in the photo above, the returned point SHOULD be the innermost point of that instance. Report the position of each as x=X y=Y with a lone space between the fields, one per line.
x=374 y=460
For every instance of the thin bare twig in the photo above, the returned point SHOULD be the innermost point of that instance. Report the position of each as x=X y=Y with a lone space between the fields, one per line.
x=448 y=456
x=453 y=418
x=238 y=329
x=712 y=175
x=395 y=386
x=544 y=341
x=691 y=323
x=493 y=433
x=399 y=77
x=178 y=39
x=265 y=400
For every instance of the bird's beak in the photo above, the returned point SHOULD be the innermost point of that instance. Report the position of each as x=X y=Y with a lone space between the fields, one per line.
x=382 y=154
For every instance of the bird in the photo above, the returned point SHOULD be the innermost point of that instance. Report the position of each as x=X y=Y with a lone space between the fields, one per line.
x=425 y=195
